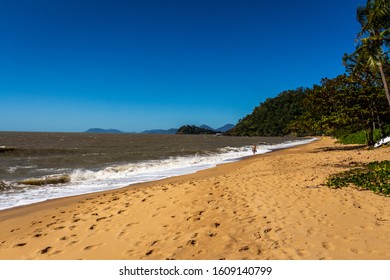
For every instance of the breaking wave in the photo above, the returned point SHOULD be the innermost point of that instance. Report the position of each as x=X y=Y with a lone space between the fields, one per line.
x=112 y=177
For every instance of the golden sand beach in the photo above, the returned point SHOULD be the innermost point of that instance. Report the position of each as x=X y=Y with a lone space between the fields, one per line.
x=271 y=206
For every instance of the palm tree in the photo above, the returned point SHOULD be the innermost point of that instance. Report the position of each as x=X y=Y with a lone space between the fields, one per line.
x=374 y=19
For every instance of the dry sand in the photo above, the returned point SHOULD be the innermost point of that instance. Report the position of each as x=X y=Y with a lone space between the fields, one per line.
x=271 y=206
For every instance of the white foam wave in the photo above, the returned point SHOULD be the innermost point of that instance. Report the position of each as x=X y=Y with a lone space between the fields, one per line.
x=112 y=177
x=173 y=165
x=13 y=169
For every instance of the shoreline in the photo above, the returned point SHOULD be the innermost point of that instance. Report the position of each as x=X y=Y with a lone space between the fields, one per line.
x=47 y=204
x=268 y=206
x=108 y=180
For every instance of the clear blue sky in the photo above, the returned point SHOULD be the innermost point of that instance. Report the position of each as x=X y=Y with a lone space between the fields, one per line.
x=69 y=65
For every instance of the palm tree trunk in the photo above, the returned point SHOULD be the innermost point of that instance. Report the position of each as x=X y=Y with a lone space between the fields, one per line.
x=369 y=136
x=384 y=82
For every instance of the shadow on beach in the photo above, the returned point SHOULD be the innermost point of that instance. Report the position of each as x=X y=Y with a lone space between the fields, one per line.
x=343 y=148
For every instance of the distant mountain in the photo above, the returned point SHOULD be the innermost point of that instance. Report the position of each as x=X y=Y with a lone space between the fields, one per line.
x=160 y=131
x=226 y=127
x=203 y=129
x=192 y=129
x=101 y=130
x=205 y=126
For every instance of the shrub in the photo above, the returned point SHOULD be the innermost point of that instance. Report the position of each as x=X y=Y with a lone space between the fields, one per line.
x=360 y=137
x=374 y=176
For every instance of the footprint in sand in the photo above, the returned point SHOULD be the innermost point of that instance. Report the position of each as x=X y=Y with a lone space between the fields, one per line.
x=91 y=247
x=355 y=251
x=56 y=252
x=257 y=235
x=58 y=228
x=327 y=245
x=149 y=253
x=301 y=252
x=274 y=245
x=44 y=251
x=244 y=249
x=131 y=224
x=216 y=225
x=267 y=230
x=130 y=252
x=178 y=235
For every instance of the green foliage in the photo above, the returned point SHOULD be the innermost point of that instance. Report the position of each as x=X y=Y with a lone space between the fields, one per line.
x=192 y=129
x=374 y=176
x=344 y=105
x=327 y=107
x=360 y=137
x=373 y=41
x=340 y=106
x=272 y=117
x=353 y=138
x=356 y=102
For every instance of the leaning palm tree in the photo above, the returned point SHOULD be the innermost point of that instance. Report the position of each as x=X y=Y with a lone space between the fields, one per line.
x=372 y=50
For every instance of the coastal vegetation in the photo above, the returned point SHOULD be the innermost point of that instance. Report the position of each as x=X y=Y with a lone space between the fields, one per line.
x=192 y=129
x=342 y=106
x=360 y=136
x=354 y=107
x=374 y=19
x=354 y=103
x=373 y=176
x=203 y=129
x=272 y=118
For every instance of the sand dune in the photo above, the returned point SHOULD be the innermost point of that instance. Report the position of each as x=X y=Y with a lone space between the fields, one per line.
x=271 y=206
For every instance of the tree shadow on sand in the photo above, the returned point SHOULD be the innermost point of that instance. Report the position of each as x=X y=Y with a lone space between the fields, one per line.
x=343 y=148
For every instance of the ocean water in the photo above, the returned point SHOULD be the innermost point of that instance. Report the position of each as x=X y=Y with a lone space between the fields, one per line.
x=97 y=162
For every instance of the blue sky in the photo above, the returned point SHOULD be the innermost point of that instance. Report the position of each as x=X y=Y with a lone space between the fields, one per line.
x=69 y=65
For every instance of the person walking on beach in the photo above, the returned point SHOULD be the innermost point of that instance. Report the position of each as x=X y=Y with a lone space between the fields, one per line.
x=254 y=149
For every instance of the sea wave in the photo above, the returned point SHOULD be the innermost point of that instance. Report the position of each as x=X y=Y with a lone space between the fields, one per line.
x=170 y=166
x=112 y=177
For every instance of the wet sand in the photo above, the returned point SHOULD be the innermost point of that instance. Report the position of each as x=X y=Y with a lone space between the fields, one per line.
x=271 y=206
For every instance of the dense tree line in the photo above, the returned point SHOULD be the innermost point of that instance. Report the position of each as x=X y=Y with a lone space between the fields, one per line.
x=192 y=129
x=341 y=106
x=356 y=101
x=273 y=116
